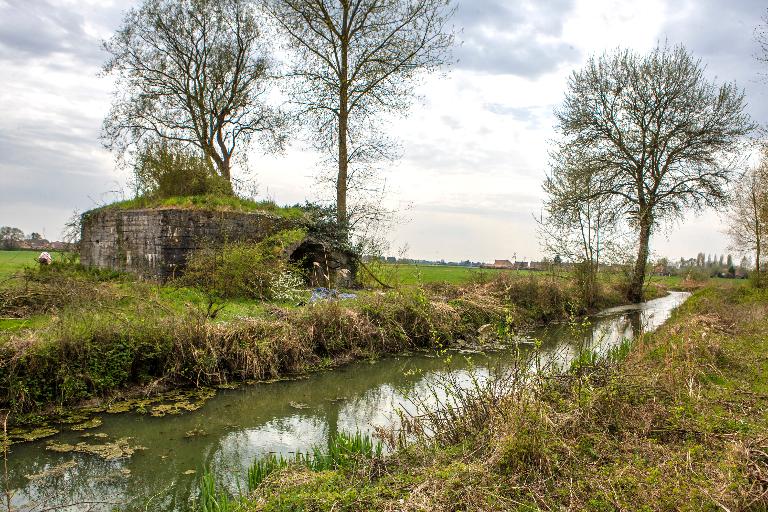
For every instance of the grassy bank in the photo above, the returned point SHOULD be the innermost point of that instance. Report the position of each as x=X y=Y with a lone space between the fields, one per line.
x=80 y=334
x=678 y=424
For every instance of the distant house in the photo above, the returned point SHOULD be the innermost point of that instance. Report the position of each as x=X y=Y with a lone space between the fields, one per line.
x=42 y=245
x=503 y=264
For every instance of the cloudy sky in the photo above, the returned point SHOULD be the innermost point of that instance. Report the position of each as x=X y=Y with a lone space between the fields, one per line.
x=474 y=146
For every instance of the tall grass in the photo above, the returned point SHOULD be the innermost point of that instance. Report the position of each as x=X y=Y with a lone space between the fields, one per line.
x=213 y=499
x=343 y=452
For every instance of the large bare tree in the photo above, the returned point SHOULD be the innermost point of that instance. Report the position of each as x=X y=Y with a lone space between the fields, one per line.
x=354 y=61
x=748 y=215
x=191 y=72
x=657 y=135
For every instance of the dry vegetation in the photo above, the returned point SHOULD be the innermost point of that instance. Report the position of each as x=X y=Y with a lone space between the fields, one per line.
x=100 y=333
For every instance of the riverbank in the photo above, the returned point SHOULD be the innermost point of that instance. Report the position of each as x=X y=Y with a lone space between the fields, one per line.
x=225 y=435
x=77 y=335
x=677 y=423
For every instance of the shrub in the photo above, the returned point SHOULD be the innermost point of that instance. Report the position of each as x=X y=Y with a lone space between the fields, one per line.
x=697 y=275
x=288 y=286
x=248 y=270
x=165 y=171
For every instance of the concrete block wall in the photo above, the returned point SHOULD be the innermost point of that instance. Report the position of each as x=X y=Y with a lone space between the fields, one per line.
x=156 y=242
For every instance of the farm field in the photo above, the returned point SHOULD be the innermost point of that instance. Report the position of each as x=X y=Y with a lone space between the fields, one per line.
x=413 y=274
x=14 y=261
x=408 y=274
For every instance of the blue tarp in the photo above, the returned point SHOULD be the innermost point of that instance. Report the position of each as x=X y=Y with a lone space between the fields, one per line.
x=319 y=294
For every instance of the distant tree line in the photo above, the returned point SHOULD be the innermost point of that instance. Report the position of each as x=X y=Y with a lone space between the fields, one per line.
x=14 y=238
x=412 y=261
x=709 y=265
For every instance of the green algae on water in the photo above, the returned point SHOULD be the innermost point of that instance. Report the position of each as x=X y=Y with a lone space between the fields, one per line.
x=120 y=449
x=22 y=435
x=92 y=423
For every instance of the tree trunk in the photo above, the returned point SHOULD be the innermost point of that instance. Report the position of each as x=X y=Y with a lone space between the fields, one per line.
x=758 y=278
x=758 y=233
x=226 y=173
x=637 y=283
x=341 y=180
x=223 y=166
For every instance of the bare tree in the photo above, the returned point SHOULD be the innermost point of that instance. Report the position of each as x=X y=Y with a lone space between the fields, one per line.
x=748 y=215
x=761 y=34
x=354 y=61
x=658 y=136
x=579 y=227
x=191 y=72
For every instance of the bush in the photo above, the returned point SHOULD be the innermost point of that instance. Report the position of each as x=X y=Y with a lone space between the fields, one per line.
x=697 y=275
x=164 y=171
x=247 y=270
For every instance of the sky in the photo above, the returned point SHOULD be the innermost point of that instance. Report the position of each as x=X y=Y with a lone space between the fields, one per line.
x=474 y=144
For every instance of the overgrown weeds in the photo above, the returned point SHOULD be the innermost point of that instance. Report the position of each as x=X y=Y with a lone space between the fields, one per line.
x=106 y=333
x=249 y=270
x=54 y=287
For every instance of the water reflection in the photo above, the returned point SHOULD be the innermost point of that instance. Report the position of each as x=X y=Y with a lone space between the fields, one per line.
x=239 y=425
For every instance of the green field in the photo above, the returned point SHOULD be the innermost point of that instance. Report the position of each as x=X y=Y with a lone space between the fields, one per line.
x=14 y=261
x=412 y=274
x=422 y=274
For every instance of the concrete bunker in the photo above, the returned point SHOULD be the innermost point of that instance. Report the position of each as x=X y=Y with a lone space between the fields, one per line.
x=156 y=242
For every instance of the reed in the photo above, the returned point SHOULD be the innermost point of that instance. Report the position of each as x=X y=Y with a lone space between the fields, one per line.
x=213 y=499
x=342 y=453
x=263 y=467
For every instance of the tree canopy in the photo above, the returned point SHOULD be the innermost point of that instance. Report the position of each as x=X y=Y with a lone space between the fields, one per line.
x=748 y=215
x=655 y=134
x=354 y=61
x=194 y=73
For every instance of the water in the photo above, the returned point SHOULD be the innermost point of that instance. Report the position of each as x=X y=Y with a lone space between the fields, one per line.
x=283 y=417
